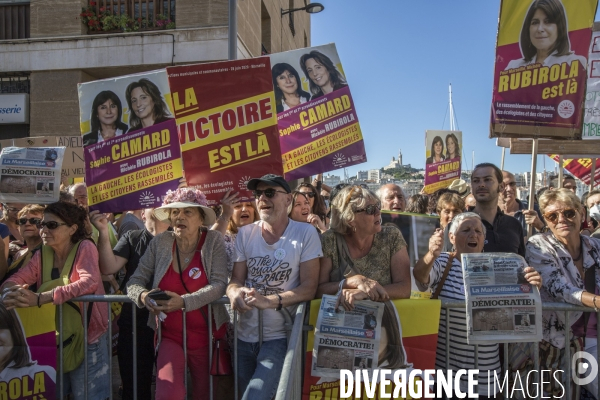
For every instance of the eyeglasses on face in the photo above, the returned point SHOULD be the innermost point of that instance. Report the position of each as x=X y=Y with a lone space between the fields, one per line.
x=568 y=213
x=371 y=209
x=12 y=209
x=51 y=225
x=270 y=193
x=309 y=194
x=32 y=221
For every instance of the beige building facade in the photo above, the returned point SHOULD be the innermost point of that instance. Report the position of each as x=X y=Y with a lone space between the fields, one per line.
x=46 y=49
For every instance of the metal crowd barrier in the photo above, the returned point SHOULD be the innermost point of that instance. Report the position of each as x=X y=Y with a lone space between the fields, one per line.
x=564 y=307
x=289 y=388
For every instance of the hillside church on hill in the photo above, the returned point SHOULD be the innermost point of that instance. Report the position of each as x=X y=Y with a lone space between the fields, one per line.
x=395 y=163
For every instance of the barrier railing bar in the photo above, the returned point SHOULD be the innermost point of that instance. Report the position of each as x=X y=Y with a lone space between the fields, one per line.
x=536 y=366
x=60 y=351
x=85 y=353
x=505 y=352
x=567 y=358
x=210 y=351
x=235 y=355
x=288 y=381
x=134 y=320
x=109 y=344
x=185 y=363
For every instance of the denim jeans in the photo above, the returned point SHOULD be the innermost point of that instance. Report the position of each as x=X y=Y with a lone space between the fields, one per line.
x=98 y=369
x=259 y=368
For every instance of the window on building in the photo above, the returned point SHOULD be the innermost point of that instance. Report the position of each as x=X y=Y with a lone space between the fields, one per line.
x=14 y=20
x=265 y=29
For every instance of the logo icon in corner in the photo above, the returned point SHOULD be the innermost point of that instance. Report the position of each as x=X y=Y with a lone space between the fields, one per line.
x=339 y=160
x=583 y=363
x=243 y=182
x=147 y=198
x=566 y=108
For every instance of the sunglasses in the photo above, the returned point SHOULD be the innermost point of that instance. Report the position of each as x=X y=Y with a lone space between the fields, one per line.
x=270 y=193
x=568 y=213
x=51 y=225
x=308 y=194
x=371 y=209
x=32 y=221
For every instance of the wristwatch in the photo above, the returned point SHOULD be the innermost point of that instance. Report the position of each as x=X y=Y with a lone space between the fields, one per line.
x=280 y=305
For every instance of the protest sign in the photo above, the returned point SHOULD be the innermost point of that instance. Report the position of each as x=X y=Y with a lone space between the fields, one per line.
x=130 y=143
x=501 y=305
x=227 y=124
x=591 y=115
x=31 y=373
x=316 y=117
x=443 y=154
x=580 y=168
x=73 y=166
x=411 y=330
x=416 y=230
x=30 y=175
x=540 y=72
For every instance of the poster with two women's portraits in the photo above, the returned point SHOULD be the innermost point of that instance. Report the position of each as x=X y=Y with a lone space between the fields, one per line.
x=130 y=142
x=541 y=68
x=316 y=117
x=443 y=159
x=28 y=353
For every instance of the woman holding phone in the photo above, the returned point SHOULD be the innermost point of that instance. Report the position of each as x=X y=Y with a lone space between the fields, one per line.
x=187 y=269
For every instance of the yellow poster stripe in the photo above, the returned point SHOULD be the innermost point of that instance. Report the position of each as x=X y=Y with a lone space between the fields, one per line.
x=418 y=317
x=37 y=321
x=138 y=180
x=321 y=147
x=224 y=134
x=580 y=15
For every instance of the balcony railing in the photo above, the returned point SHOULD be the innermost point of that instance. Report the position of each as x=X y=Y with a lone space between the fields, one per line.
x=107 y=16
x=14 y=21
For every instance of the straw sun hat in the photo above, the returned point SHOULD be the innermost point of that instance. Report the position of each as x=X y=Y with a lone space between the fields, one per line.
x=182 y=198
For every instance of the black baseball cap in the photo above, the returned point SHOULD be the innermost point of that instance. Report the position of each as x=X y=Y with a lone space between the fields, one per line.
x=269 y=179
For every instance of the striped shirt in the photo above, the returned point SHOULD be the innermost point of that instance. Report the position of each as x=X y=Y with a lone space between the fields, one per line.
x=461 y=354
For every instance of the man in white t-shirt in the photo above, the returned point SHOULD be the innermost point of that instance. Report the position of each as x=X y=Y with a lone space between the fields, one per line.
x=276 y=266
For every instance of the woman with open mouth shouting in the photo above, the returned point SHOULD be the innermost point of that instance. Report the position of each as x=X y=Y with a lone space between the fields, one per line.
x=467 y=234
x=299 y=210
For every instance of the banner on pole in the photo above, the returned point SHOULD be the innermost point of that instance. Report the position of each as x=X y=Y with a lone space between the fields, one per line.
x=541 y=64
x=591 y=115
x=130 y=142
x=443 y=156
x=580 y=168
x=227 y=123
x=316 y=116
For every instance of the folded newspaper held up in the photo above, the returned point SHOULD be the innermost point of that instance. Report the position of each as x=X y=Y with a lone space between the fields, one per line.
x=501 y=305
x=30 y=175
x=346 y=339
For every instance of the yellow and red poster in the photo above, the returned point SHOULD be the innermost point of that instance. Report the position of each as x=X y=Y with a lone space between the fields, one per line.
x=415 y=325
x=30 y=373
x=541 y=64
x=227 y=124
x=580 y=168
x=442 y=154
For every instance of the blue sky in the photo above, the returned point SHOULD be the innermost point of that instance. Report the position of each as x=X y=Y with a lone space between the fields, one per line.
x=400 y=56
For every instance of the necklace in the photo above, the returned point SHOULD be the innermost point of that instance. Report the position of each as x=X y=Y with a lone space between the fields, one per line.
x=188 y=253
x=580 y=253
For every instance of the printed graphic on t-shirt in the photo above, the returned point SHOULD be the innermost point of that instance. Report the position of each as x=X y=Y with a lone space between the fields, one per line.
x=267 y=274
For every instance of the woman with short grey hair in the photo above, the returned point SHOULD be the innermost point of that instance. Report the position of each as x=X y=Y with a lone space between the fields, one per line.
x=362 y=259
x=443 y=274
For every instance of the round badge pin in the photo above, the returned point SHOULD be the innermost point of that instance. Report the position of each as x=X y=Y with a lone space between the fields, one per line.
x=195 y=273
x=279 y=254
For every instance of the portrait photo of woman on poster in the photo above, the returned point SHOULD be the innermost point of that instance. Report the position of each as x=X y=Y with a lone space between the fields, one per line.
x=452 y=147
x=545 y=37
x=105 y=118
x=437 y=151
x=15 y=357
x=146 y=104
x=286 y=83
x=322 y=74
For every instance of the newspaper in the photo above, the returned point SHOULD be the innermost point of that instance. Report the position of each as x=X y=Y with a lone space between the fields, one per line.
x=501 y=305
x=346 y=339
x=30 y=175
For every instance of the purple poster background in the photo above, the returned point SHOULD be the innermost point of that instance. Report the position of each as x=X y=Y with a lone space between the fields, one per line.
x=321 y=135
x=135 y=170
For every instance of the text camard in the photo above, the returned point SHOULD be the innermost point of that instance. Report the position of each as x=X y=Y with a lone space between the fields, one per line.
x=430 y=383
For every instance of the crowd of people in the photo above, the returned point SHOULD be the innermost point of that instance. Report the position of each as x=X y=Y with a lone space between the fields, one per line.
x=286 y=247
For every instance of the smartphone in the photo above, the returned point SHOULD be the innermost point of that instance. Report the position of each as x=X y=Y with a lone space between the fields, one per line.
x=160 y=295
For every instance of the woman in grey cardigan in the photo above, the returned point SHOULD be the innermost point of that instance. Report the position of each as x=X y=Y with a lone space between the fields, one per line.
x=188 y=270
